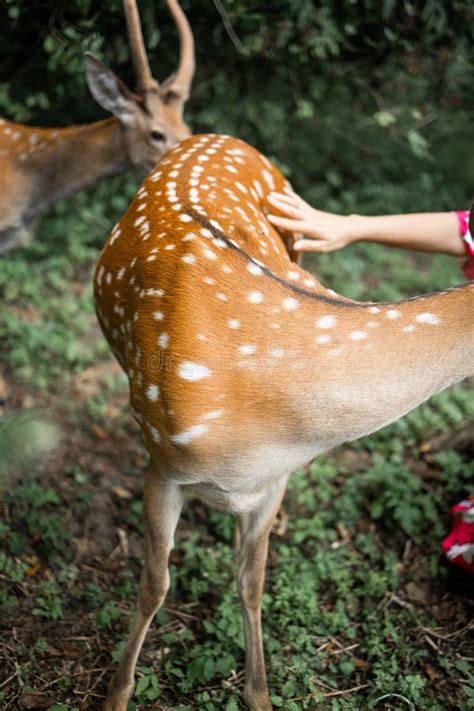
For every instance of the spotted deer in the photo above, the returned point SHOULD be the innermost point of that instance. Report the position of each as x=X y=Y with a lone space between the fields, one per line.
x=39 y=166
x=243 y=367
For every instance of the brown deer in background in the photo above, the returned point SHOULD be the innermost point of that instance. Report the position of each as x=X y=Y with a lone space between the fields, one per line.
x=39 y=166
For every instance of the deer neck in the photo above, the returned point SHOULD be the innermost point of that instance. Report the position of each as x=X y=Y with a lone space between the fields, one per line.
x=82 y=156
x=54 y=163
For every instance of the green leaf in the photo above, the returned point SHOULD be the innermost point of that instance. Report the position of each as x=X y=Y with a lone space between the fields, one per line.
x=143 y=684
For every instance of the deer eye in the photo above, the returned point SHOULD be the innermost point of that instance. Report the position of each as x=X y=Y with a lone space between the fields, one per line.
x=157 y=136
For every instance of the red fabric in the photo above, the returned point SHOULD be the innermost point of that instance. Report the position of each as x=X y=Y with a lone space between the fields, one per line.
x=467 y=238
x=459 y=545
x=463 y=220
x=468 y=268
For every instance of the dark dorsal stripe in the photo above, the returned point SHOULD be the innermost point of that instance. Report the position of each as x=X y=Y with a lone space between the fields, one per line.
x=294 y=288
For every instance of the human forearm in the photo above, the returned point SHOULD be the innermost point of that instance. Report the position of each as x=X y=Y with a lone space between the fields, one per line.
x=427 y=232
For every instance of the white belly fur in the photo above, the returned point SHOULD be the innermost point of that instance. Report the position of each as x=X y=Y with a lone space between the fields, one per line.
x=240 y=485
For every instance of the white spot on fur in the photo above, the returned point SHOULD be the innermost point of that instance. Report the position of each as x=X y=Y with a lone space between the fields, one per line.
x=155 y=435
x=193 y=371
x=163 y=340
x=290 y=304
x=254 y=269
x=428 y=317
x=247 y=349
x=255 y=297
x=326 y=322
x=188 y=435
x=358 y=335
x=152 y=392
x=268 y=177
x=213 y=415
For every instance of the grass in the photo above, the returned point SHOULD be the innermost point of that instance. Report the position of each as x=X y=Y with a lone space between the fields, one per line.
x=360 y=610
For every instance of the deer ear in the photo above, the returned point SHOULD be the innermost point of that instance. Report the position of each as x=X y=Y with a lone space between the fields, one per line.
x=108 y=90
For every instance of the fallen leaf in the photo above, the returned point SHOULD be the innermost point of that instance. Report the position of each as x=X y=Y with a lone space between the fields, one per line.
x=98 y=431
x=34 y=566
x=429 y=671
x=35 y=701
x=417 y=594
x=54 y=652
x=344 y=534
x=121 y=492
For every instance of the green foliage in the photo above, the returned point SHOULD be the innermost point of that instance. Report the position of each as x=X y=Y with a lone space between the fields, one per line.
x=148 y=688
x=107 y=614
x=43 y=515
x=48 y=602
x=366 y=89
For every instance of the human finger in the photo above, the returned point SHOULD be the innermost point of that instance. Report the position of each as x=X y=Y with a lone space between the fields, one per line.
x=288 y=209
x=286 y=223
x=283 y=199
x=309 y=245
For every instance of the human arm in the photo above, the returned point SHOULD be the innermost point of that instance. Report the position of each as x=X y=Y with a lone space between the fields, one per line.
x=428 y=232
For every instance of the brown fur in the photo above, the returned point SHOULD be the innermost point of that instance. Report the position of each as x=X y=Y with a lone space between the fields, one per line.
x=40 y=166
x=242 y=366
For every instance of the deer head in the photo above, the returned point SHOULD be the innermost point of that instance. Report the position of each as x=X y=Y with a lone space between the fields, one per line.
x=152 y=118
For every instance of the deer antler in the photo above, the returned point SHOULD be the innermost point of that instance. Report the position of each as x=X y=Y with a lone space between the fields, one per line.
x=181 y=80
x=145 y=80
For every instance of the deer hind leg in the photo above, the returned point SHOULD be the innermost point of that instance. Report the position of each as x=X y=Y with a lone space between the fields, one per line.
x=254 y=532
x=162 y=503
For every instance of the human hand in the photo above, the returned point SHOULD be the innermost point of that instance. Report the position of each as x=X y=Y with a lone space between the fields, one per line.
x=327 y=231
